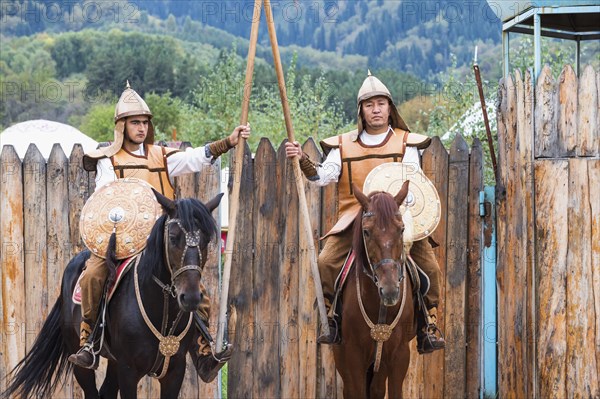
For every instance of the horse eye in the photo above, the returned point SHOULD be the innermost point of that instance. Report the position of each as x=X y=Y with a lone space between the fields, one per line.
x=366 y=233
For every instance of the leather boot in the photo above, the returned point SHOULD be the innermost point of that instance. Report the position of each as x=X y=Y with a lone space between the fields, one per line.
x=85 y=357
x=208 y=365
x=335 y=332
x=427 y=336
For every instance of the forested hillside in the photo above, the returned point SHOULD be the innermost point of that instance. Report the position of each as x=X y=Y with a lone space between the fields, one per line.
x=416 y=37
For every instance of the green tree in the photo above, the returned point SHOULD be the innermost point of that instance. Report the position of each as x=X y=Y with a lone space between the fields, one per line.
x=455 y=102
x=217 y=100
x=99 y=123
x=166 y=114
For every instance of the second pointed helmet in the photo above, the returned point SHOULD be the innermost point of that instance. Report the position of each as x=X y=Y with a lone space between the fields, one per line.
x=373 y=87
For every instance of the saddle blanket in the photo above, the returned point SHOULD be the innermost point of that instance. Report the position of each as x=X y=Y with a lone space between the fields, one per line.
x=122 y=269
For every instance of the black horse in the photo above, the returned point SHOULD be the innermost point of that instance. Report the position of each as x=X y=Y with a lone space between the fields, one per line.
x=132 y=349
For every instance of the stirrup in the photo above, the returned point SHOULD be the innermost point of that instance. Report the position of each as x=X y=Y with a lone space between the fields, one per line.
x=85 y=358
x=208 y=366
x=334 y=337
x=428 y=340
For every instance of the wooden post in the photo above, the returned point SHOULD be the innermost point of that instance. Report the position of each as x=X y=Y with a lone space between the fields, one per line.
x=456 y=270
x=34 y=224
x=11 y=259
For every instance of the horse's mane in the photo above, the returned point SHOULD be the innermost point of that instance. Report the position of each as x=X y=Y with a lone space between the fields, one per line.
x=384 y=205
x=194 y=215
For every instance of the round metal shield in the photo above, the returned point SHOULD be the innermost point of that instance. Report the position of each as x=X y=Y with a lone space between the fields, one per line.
x=127 y=206
x=422 y=200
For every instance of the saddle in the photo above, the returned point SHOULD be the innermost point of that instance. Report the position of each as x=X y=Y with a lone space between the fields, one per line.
x=122 y=269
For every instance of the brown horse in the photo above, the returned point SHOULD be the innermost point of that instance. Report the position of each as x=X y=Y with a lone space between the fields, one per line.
x=377 y=302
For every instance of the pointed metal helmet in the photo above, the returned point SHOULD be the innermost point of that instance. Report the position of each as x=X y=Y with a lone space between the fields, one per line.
x=373 y=87
x=130 y=104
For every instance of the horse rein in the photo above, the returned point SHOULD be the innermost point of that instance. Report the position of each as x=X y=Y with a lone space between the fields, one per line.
x=380 y=332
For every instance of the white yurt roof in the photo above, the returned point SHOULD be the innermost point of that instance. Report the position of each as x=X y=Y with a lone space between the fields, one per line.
x=44 y=134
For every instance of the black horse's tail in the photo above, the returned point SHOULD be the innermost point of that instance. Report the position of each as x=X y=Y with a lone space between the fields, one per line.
x=42 y=369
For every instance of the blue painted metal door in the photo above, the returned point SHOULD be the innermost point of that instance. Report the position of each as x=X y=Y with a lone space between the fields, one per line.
x=489 y=333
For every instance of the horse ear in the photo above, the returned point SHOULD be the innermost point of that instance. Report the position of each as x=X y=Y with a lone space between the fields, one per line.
x=402 y=193
x=214 y=203
x=360 y=196
x=167 y=204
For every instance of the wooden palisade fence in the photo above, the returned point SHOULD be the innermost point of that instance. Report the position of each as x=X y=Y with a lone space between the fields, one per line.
x=548 y=233
x=272 y=305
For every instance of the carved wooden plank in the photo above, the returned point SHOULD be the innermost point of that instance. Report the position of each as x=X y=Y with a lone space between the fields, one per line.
x=327 y=383
x=34 y=224
x=473 y=312
x=594 y=176
x=588 y=120
x=208 y=186
x=546 y=140
x=567 y=112
x=307 y=314
x=79 y=191
x=266 y=271
x=288 y=276
x=11 y=259
x=57 y=216
x=430 y=368
x=551 y=187
x=78 y=194
x=515 y=272
x=456 y=269
x=241 y=321
x=581 y=361
x=524 y=223
x=511 y=382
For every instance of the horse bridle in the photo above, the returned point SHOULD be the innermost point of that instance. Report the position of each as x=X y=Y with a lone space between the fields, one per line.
x=192 y=240
x=373 y=268
x=380 y=332
x=168 y=342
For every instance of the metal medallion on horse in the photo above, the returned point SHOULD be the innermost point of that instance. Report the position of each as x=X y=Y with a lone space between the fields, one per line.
x=127 y=206
x=423 y=200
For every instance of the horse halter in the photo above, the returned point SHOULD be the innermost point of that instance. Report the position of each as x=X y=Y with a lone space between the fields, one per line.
x=192 y=240
x=373 y=268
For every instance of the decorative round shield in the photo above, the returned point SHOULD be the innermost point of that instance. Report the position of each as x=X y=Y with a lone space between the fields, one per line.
x=422 y=200
x=126 y=206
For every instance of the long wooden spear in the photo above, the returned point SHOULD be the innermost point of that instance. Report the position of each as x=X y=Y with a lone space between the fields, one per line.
x=304 y=215
x=235 y=190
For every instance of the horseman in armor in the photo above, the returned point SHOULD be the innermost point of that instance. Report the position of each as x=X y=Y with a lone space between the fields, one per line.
x=382 y=136
x=133 y=154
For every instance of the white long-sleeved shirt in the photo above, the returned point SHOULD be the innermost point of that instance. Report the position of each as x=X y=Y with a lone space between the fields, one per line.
x=329 y=171
x=179 y=163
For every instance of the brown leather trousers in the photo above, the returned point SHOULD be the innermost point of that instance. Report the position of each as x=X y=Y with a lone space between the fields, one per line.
x=332 y=257
x=92 y=287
